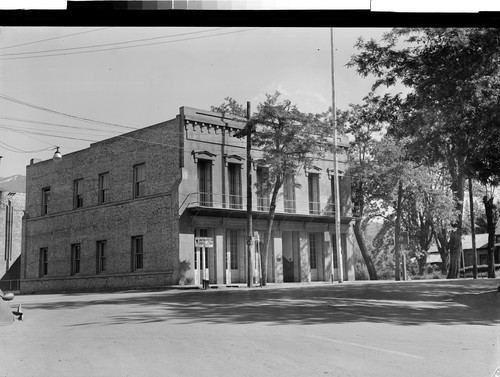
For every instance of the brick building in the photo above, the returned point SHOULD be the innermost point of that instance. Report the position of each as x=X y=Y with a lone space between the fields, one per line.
x=11 y=214
x=125 y=212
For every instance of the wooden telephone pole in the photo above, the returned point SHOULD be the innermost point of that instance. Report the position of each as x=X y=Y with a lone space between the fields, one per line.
x=249 y=203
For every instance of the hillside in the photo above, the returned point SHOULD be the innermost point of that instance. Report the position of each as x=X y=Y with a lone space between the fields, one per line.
x=15 y=183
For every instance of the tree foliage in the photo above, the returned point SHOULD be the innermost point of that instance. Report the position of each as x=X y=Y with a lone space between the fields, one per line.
x=288 y=140
x=452 y=106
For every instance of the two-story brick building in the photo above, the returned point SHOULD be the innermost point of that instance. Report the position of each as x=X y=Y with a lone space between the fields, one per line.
x=125 y=212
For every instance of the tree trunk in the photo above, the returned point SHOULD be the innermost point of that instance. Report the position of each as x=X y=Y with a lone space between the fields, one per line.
x=490 y=209
x=268 y=233
x=422 y=263
x=441 y=239
x=397 y=243
x=455 y=253
x=456 y=169
x=364 y=250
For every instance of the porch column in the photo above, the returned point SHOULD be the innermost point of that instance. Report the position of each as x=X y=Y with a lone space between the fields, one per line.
x=219 y=255
x=278 y=255
x=349 y=254
x=305 y=267
x=327 y=254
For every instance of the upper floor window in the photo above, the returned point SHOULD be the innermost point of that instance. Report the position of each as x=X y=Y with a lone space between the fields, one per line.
x=45 y=200
x=139 y=180
x=289 y=193
x=78 y=193
x=313 y=186
x=205 y=182
x=44 y=261
x=344 y=193
x=262 y=188
x=75 y=258
x=234 y=177
x=103 y=188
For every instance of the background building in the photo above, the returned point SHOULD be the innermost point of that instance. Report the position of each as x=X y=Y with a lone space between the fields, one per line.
x=125 y=212
x=11 y=214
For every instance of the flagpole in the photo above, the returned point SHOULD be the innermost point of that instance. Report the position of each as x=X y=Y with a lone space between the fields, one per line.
x=338 y=246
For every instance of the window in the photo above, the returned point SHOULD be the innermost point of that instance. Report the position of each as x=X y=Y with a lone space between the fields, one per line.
x=262 y=188
x=75 y=258
x=312 y=252
x=289 y=194
x=313 y=185
x=103 y=188
x=233 y=248
x=45 y=200
x=101 y=256
x=137 y=253
x=234 y=175
x=497 y=238
x=344 y=193
x=139 y=180
x=205 y=182
x=44 y=261
x=78 y=193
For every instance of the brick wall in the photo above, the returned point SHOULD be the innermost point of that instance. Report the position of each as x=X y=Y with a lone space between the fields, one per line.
x=152 y=216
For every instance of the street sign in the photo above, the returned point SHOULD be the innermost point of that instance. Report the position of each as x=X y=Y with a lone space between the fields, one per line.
x=204 y=242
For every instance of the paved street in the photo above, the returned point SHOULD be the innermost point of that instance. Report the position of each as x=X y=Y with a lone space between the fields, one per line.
x=432 y=328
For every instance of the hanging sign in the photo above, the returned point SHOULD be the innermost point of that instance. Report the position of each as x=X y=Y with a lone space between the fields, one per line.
x=204 y=242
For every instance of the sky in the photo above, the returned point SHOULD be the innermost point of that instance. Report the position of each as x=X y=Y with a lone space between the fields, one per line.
x=134 y=77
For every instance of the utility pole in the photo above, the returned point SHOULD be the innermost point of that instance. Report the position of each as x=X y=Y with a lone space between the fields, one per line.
x=249 y=203
x=338 y=246
x=473 y=232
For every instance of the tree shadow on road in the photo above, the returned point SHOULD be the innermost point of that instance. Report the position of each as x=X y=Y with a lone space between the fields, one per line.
x=410 y=303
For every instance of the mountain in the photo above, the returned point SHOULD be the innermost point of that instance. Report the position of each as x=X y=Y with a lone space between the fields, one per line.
x=15 y=183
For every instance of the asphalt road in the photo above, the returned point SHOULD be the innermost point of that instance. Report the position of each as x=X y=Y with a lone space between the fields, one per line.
x=431 y=328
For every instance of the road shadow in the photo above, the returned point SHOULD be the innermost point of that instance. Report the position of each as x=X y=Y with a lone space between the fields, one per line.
x=470 y=302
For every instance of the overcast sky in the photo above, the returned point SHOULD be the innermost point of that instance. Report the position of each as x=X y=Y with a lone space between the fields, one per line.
x=136 y=77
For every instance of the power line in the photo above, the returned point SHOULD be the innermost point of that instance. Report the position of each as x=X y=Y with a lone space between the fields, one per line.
x=50 y=39
x=20 y=102
x=108 y=44
x=18 y=150
x=52 y=124
x=116 y=48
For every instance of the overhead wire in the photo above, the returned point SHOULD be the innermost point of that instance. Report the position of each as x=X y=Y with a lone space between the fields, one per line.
x=24 y=103
x=51 y=39
x=18 y=150
x=115 y=48
x=108 y=44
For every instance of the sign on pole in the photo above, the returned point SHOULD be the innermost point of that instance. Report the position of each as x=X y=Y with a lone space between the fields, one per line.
x=204 y=242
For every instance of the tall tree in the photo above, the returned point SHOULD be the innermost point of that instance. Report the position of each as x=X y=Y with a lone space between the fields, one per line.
x=449 y=73
x=288 y=140
x=428 y=213
x=365 y=124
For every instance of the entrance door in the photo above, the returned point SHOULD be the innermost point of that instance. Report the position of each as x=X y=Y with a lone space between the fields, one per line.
x=288 y=257
x=287 y=270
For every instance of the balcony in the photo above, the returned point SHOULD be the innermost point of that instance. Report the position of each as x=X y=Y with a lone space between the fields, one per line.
x=218 y=205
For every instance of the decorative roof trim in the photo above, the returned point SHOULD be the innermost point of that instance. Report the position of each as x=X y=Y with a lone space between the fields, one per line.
x=233 y=159
x=204 y=155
